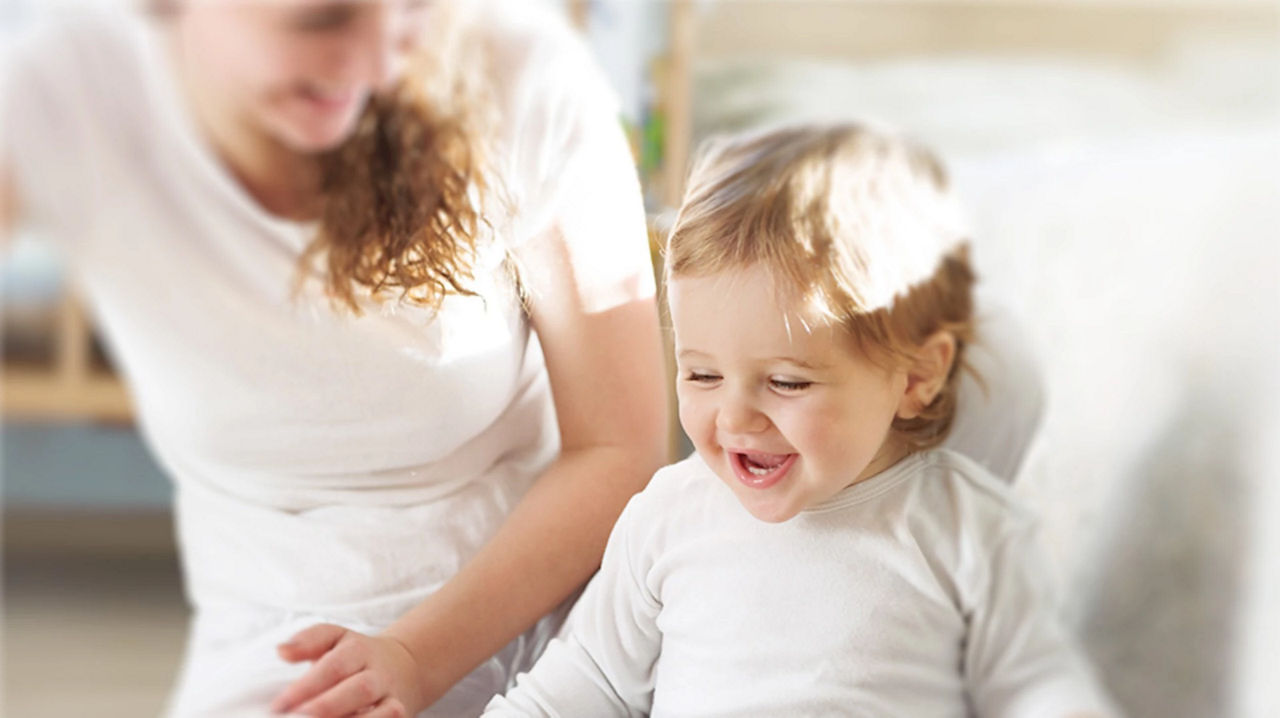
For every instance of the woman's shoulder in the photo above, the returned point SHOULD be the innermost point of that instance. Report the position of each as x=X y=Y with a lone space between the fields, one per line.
x=537 y=65
x=523 y=36
x=554 y=130
x=74 y=95
x=79 y=73
x=79 y=48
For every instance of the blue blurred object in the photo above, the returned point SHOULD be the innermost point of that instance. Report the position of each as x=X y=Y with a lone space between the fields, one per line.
x=79 y=466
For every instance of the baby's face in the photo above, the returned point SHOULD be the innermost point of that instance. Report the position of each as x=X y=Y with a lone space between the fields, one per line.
x=786 y=416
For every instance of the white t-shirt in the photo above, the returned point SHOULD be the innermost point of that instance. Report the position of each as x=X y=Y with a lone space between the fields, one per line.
x=327 y=467
x=913 y=593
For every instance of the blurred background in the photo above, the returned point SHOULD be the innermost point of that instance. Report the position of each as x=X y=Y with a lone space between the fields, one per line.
x=1121 y=163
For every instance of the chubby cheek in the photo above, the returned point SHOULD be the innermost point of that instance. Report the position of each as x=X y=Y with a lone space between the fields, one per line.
x=808 y=426
x=859 y=441
x=698 y=422
x=826 y=439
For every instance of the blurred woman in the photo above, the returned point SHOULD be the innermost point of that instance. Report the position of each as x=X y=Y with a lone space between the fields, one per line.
x=376 y=274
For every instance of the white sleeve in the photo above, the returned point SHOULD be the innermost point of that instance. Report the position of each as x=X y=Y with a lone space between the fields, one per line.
x=1020 y=659
x=571 y=173
x=603 y=665
x=47 y=123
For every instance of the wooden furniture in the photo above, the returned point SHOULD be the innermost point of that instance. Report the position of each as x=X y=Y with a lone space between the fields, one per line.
x=1137 y=33
x=70 y=386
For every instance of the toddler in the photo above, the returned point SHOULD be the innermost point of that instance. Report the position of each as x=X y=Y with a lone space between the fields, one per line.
x=818 y=554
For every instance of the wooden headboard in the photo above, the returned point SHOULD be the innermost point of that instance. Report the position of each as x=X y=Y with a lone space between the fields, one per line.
x=1132 y=30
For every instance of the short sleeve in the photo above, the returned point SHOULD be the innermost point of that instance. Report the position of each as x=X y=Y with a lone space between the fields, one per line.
x=46 y=124
x=567 y=165
x=1020 y=659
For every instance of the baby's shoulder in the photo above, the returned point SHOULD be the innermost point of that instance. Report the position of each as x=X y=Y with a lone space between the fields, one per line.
x=966 y=500
x=679 y=504
x=687 y=485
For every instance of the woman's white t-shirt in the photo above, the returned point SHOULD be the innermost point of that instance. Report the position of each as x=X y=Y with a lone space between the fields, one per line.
x=327 y=466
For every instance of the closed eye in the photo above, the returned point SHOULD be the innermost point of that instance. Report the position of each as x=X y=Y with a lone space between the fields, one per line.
x=702 y=377
x=790 y=386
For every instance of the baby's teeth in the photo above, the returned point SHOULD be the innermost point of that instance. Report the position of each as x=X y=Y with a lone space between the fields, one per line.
x=758 y=471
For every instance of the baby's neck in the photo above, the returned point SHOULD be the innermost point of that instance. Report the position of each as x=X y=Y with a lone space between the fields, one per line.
x=891 y=452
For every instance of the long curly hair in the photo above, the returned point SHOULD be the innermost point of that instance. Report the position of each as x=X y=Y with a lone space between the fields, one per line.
x=405 y=198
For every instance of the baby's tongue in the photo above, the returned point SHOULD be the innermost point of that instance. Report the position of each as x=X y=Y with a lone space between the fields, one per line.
x=765 y=461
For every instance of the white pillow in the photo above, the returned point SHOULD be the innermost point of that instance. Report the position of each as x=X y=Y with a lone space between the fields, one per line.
x=1000 y=410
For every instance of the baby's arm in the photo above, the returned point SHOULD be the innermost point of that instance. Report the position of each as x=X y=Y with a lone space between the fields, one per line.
x=603 y=664
x=1020 y=659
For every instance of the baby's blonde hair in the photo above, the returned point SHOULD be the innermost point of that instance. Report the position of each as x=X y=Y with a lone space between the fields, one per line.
x=857 y=226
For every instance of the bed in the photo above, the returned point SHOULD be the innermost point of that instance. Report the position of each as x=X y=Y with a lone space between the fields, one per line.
x=1121 y=165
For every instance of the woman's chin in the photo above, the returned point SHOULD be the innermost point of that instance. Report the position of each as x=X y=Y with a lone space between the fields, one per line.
x=311 y=134
x=314 y=139
x=308 y=126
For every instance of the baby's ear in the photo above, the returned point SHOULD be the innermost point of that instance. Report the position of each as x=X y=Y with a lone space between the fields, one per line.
x=927 y=373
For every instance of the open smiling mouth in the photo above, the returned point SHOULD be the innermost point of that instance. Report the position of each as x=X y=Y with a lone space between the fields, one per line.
x=760 y=471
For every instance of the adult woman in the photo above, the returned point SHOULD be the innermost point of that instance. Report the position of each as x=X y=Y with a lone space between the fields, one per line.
x=298 y=223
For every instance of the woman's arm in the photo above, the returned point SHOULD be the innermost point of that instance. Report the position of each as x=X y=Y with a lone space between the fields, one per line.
x=607 y=378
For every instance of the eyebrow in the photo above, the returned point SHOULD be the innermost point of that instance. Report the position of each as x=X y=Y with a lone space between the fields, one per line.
x=686 y=353
x=799 y=363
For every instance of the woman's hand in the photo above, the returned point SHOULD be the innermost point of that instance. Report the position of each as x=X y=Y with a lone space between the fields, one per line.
x=353 y=674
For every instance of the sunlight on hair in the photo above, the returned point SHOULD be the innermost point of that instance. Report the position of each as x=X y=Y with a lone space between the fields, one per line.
x=806 y=199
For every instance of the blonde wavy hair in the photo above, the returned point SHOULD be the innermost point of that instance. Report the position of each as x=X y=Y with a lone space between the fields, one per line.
x=857 y=225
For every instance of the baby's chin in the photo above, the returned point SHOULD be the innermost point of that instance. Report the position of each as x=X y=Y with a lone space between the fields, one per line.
x=773 y=515
x=771 y=509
